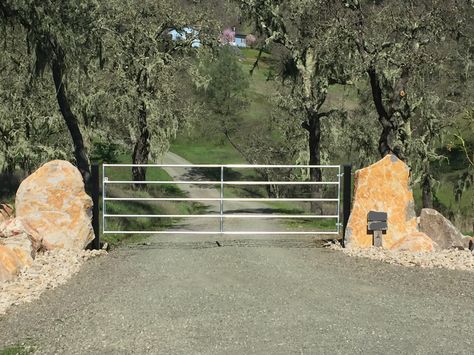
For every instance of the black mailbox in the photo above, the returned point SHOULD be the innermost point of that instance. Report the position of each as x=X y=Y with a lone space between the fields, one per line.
x=376 y=225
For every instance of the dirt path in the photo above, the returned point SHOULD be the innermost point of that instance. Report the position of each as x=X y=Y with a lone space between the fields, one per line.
x=206 y=191
x=182 y=295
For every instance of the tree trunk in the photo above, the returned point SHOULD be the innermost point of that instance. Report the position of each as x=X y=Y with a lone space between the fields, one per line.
x=80 y=152
x=426 y=186
x=427 y=192
x=384 y=140
x=377 y=97
x=314 y=146
x=314 y=142
x=141 y=151
x=394 y=132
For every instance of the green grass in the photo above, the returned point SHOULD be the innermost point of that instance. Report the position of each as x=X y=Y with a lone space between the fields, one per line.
x=260 y=90
x=206 y=151
x=445 y=195
x=17 y=350
x=312 y=224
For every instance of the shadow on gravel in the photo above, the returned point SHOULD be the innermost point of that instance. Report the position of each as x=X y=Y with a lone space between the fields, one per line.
x=247 y=243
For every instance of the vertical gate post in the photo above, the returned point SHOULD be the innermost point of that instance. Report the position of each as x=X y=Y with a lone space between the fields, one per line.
x=222 y=202
x=346 y=202
x=95 y=208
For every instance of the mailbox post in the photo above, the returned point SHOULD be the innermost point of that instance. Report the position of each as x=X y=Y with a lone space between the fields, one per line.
x=377 y=225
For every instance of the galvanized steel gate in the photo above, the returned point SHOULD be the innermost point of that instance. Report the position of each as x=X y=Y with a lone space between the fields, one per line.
x=221 y=184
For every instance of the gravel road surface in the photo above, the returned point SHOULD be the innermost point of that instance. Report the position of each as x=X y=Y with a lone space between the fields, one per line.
x=186 y=295
x=178 y=296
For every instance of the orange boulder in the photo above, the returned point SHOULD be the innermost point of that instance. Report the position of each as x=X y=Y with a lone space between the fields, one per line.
x=383 y=186
x=53 y=203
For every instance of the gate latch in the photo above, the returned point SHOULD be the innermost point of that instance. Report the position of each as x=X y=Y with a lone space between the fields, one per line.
x=377 y=225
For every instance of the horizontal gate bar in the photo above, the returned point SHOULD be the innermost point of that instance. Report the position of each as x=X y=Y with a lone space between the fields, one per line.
x=217 y=216
x=235 y=166
x=219 y=233
x=218 y=199
x=172 y=182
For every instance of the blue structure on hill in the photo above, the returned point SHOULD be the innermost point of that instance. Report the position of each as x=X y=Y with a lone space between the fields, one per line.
x=184 y=34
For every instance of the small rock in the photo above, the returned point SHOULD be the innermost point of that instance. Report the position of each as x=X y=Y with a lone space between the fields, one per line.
x=17 y=243
x=21 y=245
x=10 y=265
x=441 y=230
x=18 y=226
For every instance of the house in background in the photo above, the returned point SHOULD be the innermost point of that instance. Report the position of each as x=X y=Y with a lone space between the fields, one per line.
x=183 y=34
x=229 y=36
x=240 y=40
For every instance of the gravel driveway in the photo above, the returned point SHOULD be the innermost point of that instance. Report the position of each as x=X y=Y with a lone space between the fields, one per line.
x=177 y=296
x=186 y=295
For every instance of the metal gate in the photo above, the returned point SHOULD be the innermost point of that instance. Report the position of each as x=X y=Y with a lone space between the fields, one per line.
x=221 y=184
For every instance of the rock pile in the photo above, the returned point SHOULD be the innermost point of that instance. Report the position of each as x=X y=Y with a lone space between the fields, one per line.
x=452 y=259
x=52 y=212
x=50 y=269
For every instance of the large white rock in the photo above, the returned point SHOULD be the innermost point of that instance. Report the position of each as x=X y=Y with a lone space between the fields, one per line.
x=53 y=203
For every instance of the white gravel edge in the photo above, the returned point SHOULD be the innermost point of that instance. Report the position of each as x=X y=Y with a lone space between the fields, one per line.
x=452 y=259
x=49 y=270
